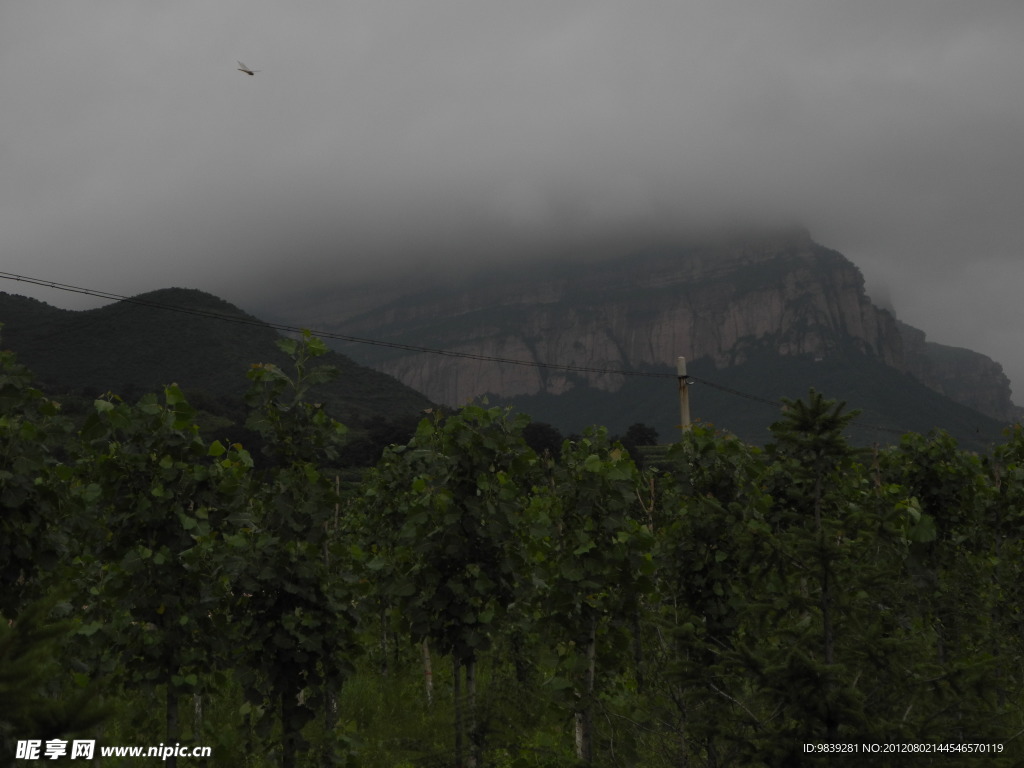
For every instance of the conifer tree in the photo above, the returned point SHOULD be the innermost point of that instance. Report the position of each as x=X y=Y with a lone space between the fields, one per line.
x=37 y=703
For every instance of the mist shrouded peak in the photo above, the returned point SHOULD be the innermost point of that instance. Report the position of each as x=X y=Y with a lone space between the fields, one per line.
x=382 y=141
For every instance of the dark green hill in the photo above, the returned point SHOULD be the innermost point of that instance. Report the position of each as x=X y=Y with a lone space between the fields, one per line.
x=185 y=336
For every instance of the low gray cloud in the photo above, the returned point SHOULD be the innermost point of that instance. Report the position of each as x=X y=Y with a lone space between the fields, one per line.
x=385 y=136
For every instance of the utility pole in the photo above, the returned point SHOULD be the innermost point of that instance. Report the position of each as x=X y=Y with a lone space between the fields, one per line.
x=684 y=395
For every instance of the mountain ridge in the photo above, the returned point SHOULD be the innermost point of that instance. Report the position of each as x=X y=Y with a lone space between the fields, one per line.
x=767 y=317
x=725 y=302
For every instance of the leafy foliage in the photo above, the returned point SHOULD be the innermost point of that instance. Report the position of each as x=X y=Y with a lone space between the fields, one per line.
x=30 y=650
x=725 y=608
x=293 y=602
x=33 y=436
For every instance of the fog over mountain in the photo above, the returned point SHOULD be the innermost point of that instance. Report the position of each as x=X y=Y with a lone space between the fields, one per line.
x=395 y=138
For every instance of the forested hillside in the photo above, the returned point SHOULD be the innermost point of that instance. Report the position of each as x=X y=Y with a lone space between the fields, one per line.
x=190 y=337
x=468 y=602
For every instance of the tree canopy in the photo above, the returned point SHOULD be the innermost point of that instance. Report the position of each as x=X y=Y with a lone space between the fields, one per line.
x=733 y=605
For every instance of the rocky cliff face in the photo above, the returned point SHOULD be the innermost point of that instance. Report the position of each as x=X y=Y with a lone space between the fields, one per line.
x=710 y=300
x=967 y=377
x=721 y=300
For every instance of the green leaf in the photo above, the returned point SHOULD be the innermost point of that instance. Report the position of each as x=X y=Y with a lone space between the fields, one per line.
x=924 y=530
x=559 y=683
x=173 y=395
x=584 y=547
x=288 y=346
x=570 y=571
x=403 y=589
x=90 y=629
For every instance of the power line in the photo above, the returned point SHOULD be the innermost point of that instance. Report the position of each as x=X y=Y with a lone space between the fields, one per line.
x=248 y=320
x=327 y=334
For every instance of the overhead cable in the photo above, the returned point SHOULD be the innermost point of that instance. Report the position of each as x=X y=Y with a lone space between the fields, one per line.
x=248 y=320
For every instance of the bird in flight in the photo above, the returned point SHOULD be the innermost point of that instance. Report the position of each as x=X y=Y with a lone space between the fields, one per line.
x=249 y=72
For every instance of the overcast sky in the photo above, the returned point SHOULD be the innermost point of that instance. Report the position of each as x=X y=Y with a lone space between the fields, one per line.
x=135 y=156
